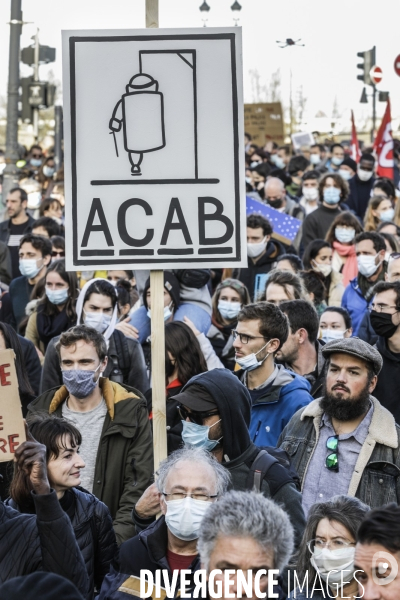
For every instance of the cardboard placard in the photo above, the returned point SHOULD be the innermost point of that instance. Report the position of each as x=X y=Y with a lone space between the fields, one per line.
x=264 y=122
x=12 y=429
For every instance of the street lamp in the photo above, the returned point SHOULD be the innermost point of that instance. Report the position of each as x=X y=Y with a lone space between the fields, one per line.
x=287 y=43
x=204 y=8
x=236 y=8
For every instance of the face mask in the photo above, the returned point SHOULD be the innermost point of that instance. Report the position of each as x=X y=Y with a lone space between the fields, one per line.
x=344 y=235
x=255 y=163
x=48 y=171
x=310 y=194
x=278 y=161
x=57 y=296
x=367 y=265
x=364 y=175
x=35 y=162
x=330 y=563
x=387 y=215
x=250 y=362
x=99 y=321
x=80 y=383
x=249 y=181
x=337 y=161
x=328 y=335
x=34 y=199
x=315 y=159
x=254 y=250
x=229 y=310
x=324 y=269
x=344 y=174
x=167 y=313
x=277 y=204
x=2 y=167
x=196 y=436
x=332 y=195
x=383 y=324
x=184 y=517
x=28 y=267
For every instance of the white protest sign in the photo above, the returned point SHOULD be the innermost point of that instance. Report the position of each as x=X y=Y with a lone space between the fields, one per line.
x=154 y=148
x=12 y=428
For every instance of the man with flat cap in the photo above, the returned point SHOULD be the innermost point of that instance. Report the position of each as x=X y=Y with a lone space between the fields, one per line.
x=346 y=442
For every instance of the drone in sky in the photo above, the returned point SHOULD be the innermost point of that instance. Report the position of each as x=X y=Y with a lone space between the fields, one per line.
x=289 y=42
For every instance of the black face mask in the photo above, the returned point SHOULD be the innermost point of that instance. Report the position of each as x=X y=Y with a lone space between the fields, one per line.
x=382 y=324
x=275 y=203
x=169 y=367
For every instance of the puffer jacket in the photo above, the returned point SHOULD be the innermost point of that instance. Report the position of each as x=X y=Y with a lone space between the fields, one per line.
x=92 y=525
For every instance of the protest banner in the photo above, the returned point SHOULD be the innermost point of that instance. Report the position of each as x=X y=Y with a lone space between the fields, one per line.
x=12 y=429
x=264 y=122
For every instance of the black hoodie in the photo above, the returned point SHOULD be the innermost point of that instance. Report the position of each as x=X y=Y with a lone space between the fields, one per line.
x=264 y=264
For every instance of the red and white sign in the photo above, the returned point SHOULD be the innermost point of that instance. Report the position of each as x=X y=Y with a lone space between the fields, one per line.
x=355 y=147
x=376 y=74
x=397 y=65
x=383 y=146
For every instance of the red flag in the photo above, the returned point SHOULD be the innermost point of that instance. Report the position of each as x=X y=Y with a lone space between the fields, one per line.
x=383 y=146
x=355 y=147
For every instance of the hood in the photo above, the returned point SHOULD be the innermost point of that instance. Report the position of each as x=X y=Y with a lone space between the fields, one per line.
x=381 y=346
x=79 y=308
x=234 y=406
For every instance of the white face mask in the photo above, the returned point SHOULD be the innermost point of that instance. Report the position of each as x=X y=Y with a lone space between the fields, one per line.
x=364 y=175
x=344 y=235
x=310 y=194
x=330 y=563
x=328 y=335
x=184 y=517
x=254 y=250
x=315 y=159
x=98 y=320
x=367 y=265
x=167 y=312
x=250 y=362
x=345 y=174
x=229 y=310
x=324 y=269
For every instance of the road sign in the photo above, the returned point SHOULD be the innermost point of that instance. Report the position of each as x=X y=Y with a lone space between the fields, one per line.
x=376 y=74
x=397 y=65
x=154 y=148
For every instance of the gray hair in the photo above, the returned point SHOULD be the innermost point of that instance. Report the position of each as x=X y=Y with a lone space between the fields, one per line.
x=195 y=455
x=247 y=514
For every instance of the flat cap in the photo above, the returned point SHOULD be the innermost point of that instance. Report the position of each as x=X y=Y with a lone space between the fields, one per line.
x=355 y=347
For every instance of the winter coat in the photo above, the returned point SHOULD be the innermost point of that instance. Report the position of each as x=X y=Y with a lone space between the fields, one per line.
x=272 y=411
x=336 y=289
x=366 y=332
x=124 y=461
x=125 y=364
x=94 y=534
x=387 y=388
x=263 y=265
x=20 y=291
x=317 y=223
x=45 y=542
x=5 y=228
x=147 y=550
x=354 y=301
x=376 y=476
x=5 y=264
x=360 y=193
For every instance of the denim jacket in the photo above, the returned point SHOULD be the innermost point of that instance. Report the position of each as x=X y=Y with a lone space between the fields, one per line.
x=376 y=477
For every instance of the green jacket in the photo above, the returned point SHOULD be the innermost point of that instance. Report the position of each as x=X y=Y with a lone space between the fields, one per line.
x=124 y=462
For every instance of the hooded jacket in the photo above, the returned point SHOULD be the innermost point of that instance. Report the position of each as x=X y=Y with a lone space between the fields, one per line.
x=147 y=550
x=239 y=452
x=263 y=265
x=45 y=586
x=124 y=460
x=355 y=301
x=387 y=388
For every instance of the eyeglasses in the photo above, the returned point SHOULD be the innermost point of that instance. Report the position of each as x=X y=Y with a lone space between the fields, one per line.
x=60 y=254
x=244 y=338
x=182 y=496
x=381 y=308
x=336 y=544
x=195 y=416
x=332 y=460
x=394 y=255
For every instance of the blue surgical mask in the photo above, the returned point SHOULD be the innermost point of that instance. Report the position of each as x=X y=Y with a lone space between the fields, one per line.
x=57 y=296
x=29 y=267
x=167 y=313
x=80 y=383
x=196 y=436
x=344 y=235
x=35 y=162
x=228 y=310
x=337 y=161
x=98 y=320
x=315 y=159
x=48 y=171
x=250 y=362
x=279 y=162
x=345 y=174
x=332 y=195
x=387 y=215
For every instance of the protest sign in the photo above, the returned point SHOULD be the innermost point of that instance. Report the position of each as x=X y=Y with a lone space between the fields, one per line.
x=12 y=429
x=285 y=227
x=154 y=160
x=264 y=122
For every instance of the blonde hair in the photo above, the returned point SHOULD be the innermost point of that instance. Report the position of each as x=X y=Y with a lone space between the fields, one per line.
x=370 y=221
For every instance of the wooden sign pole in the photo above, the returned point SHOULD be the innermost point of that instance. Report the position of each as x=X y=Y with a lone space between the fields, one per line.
x=157 y=327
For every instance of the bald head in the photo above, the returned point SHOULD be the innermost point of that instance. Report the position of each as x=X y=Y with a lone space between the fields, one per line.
x=275 y=193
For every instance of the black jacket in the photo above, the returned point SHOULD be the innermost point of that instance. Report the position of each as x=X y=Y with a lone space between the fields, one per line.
x=45 y=542
x=387 y=388
x=360 y=193
x=174 y=422
x=125 y=364
x=5 y=228
x=5 y=264
x=92 y=524
x=45 y=586
x=144 y=551
x=263 y=265
x=20 y=292
x=317 y=223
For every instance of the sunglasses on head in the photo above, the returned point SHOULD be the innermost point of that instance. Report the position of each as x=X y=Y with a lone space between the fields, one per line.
x=195 y=416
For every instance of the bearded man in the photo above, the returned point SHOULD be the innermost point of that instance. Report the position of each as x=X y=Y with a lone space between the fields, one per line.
x=346 y=442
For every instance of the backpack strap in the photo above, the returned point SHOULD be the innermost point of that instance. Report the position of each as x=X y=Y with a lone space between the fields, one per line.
x=120 y=359
x=266 y=466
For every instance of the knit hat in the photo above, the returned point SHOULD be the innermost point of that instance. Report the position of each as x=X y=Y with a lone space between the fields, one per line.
x=171 y=284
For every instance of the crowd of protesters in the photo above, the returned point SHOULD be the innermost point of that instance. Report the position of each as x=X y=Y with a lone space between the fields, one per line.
x=282 y=399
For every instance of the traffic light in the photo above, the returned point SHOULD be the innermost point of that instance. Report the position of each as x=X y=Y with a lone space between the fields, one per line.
x=46 y=55
x=369 y=61
x=35 y=94
x=27 y=110
x=383 y=96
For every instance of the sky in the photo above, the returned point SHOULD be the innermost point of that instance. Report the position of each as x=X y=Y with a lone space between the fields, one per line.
x=333 y=32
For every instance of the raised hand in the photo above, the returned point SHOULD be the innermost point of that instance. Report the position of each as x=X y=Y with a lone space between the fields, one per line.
x=30 y=457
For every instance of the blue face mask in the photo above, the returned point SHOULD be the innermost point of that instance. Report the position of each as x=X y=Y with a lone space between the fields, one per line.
x=332 y=195
x=57 y=296
x=80 y=383
x=229 y=310
x=337 y=161
x=196 y=436
x=167 y=313
x=35 y=162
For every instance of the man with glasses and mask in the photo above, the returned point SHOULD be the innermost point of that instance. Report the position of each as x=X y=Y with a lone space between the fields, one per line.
x=113 y=420
x=189 y=482
x=346 y=442
x=385 y=320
